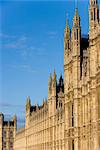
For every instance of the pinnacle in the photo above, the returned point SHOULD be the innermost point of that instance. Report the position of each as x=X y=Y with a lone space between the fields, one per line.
x=54 y=75
x=50 y=78
x=76 y=12
x=67 y=24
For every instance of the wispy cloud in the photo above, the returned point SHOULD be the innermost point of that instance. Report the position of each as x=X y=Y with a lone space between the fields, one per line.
x=3 y=35
x=2 y=104
x=24 y=47
x=18 y=43
x=52 y=34
x=24 y=67
x=5 y=106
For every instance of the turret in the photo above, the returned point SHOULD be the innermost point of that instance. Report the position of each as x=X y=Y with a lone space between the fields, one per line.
x=50 y=86
x=76 y=34
x=1 y=119
x=15 y=121
x=67 y=42
x=76 y=42
x=54 y=84
x=52 y=93
x=93 y=16
x=28 y=106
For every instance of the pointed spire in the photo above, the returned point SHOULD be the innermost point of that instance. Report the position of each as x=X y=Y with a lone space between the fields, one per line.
x=67 y=31
x=54 y=75
x=28 y=104
x=50 y=79
x=76 y=3
x=50 y=85
x=14 y=117
x=76 y=20
x=67 y=26
x=15 y=120
x=28 y=100
x=76 y=12
x=67 y=20
x=43 y=102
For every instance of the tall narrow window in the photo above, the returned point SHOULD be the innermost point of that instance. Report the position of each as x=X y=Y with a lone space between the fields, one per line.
x=91 y=15
x=72 y=115
x=77 y=34
x=94 y=15
x=98 y=14
x=72 y=144
x=68 y=44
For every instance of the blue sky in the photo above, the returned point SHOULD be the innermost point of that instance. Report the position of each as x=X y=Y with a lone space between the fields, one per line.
x=31 y=47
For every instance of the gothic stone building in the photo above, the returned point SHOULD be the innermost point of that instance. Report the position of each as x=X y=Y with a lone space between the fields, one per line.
x=70 y=118
x=7 y=133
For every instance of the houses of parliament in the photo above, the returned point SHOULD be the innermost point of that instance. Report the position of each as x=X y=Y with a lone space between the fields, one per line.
x=70 y=118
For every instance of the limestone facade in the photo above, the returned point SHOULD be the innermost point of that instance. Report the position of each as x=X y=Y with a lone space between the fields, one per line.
x=19 y=143
x=70 y=118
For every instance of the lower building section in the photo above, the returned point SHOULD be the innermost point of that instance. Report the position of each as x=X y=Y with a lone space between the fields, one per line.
x=20 y=141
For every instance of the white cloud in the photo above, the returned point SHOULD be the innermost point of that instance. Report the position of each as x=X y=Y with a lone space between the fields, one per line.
x=24 y=47
x=52 y=34
x=23 y=67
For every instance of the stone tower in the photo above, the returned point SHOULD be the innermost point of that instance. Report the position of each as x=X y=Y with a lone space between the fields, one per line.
x=52 y=94
x=93 y=17
x=94 y=59
x=28 y=107
x=82 y=83
x=7 y=132
x=52 y=91
x=72 y=79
